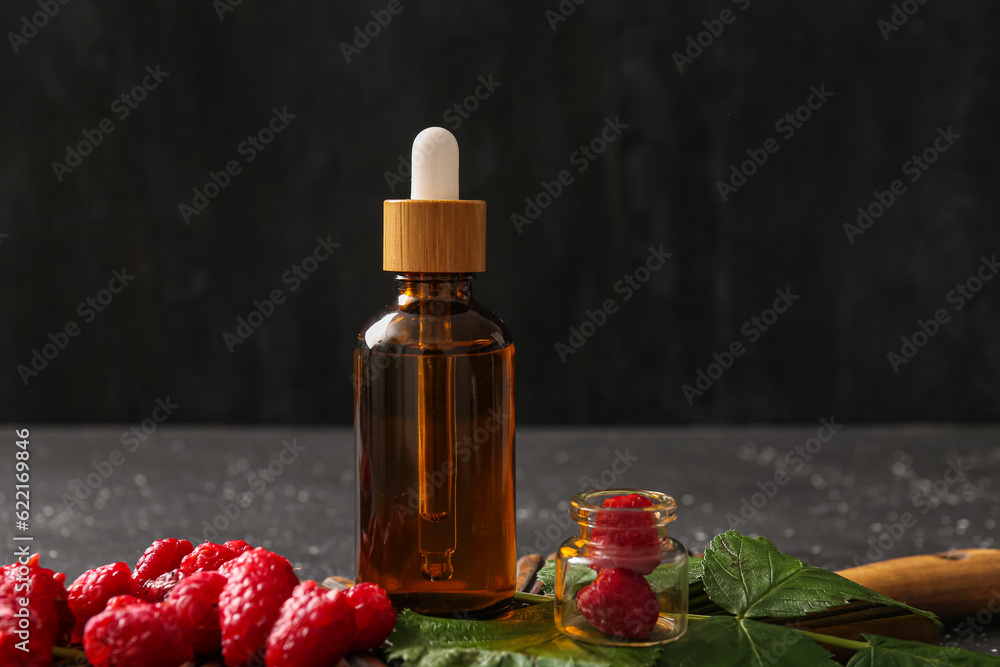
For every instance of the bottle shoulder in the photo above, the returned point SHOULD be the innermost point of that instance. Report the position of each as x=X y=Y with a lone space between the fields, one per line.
x=434 y=327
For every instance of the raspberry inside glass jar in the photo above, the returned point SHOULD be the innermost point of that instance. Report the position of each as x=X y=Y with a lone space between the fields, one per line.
x=621 y=580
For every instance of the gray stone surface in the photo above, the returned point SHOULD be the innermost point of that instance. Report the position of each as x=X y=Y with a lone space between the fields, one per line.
x=183 y=479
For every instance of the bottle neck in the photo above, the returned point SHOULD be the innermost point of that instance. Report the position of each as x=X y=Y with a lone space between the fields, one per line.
x=435 y=286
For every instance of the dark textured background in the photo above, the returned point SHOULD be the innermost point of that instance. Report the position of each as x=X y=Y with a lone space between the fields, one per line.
x=324 y=175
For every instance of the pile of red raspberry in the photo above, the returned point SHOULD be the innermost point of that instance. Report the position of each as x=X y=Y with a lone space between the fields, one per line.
x=624 y=546
x=181 y=601
x=29 y=631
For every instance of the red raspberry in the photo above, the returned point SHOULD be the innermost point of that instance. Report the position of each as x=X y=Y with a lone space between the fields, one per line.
x=41 y=642
x=12 y=632
x=629 y=500
x=237 y=546
x=91 y=591
x=373 y=615
x=142 y=635
x=46 y=591
x=196 y=601
x=315 y=628
x=623 y=538
x=206 y=557
x=620 y=602
x=156 y=590
x=122 y=601
x=258 y=582
x=161 y=557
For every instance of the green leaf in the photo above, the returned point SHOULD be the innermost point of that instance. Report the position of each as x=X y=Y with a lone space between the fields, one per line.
x=527 y=625
x=547 y=575
x=747 y=577
x=661 y=579
x=724 y=641
x=750 y=578
x=522 y=638
x=696 y=569
x=884 y=652
x=577 y=576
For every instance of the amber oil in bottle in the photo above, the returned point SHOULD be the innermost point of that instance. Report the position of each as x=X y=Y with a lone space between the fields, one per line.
x=434 y=410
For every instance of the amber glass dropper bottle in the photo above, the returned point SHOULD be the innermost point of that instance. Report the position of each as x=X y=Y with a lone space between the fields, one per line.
x=434 y=408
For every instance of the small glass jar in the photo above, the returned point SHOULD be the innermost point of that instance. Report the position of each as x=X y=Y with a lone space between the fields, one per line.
x=621 y=581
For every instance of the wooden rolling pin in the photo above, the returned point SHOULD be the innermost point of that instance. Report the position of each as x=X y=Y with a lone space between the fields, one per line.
x=954 y=584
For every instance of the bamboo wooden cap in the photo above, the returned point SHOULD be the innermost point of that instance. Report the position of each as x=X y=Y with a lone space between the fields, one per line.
x=434 y=235
x=434 y=231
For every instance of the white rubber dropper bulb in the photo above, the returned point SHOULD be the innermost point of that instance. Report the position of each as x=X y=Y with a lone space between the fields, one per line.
x=434 y=161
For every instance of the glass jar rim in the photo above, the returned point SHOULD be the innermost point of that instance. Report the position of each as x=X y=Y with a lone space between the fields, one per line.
x=584 y=507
